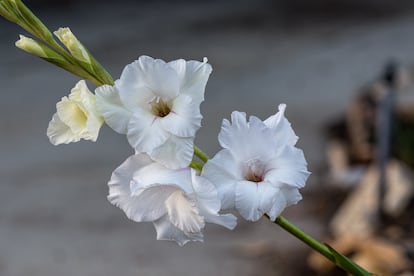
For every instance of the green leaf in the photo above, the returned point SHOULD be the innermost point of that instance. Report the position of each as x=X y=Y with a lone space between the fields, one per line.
x=348 y=264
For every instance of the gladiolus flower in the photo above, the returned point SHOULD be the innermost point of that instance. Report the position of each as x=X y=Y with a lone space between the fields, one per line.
x=178 y=202
x=259 y=170
x=157 y=105
x=76 y=117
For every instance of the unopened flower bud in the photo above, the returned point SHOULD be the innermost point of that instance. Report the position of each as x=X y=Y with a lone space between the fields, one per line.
x=31 y=46
x=70 y=41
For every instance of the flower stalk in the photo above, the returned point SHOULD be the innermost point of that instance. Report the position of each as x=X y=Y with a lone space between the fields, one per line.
x=327 y=251
x=200 y=154
x=196 y=165
x=17 y=12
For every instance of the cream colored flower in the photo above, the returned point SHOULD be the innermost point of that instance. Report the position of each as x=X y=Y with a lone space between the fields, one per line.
x=76 y=117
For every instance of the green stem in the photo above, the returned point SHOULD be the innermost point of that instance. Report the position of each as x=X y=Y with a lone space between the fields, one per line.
x=196 y=165
x=78 y=70
x=200 y=154
x=335 y=257
x=17 y=12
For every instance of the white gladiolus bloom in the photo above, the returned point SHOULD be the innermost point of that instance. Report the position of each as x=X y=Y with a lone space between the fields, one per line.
x=259 y=170
x=178 y=202
x=157 y=105
x=76 y=117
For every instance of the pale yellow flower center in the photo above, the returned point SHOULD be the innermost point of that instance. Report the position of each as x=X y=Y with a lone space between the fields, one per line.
x=80 y=117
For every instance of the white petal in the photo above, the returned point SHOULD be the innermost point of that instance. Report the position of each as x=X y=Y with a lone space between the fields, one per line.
x=156 y=173
x=126 y=170
x=223 y=172
x=154 y=74
x=150 y=202
x=180 y=67
x=292 y=195
x=206 y=193
x=279 y=204
x=160 y=77
x=291 y=156
x=109 y=104
x=273 y=200
x=281 y=127
x=132 y=96
x=247 y=200
x=263 y=198
x=60 y=133
x=193 y=77
x=175 y=152
x=268 y=195
x=226 y=220
x=284 y=198
x=119 y=185
x=183 y=213
x=288 y=168
x=93 y=125
x=247 y=140
x=167 y=231
x=184 y=119
x=145 y=132
x=288 y=176
x=209 y=202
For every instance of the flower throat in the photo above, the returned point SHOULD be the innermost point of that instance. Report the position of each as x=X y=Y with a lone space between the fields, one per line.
x=254 y=171
x=160 y=108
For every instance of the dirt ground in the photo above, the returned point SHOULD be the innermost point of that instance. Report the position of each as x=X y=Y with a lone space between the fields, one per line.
x=54 y=216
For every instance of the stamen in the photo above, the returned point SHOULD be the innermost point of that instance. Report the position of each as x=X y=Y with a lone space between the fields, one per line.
x=254 y=170
x=253 y=177
x=160 y=108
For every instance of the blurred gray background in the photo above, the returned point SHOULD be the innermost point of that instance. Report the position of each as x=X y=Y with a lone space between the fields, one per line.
x=311 y=55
